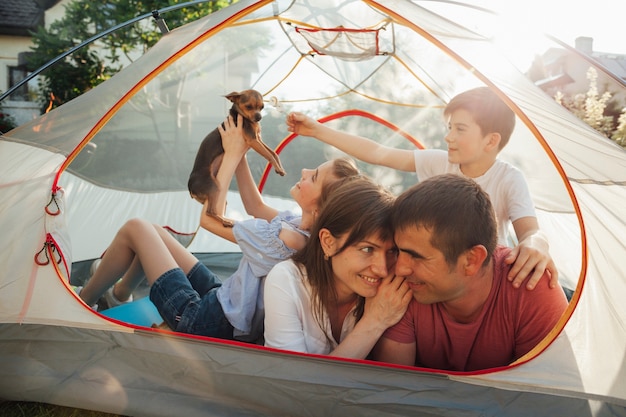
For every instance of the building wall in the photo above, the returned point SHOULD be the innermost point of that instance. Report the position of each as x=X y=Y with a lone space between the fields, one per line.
x=10 y=48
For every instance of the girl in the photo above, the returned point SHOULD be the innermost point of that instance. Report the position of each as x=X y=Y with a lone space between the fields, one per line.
x=189 y=297
x=336 y=295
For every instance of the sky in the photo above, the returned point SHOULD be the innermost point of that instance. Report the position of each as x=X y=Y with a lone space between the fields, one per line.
x=566 y=20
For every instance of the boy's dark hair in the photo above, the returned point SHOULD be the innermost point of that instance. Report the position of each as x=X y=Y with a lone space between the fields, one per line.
x=456 y=211
x=488 y=110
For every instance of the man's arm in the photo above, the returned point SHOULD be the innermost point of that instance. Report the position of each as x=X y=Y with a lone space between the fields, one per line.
x=390 y=351
x=358 y=147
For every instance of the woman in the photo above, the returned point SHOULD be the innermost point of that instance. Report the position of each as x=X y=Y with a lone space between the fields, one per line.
x=336 y=295
x=189 y=297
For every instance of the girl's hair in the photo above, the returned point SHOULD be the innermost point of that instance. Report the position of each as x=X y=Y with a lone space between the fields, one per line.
x=342 y=168
x=355 y=207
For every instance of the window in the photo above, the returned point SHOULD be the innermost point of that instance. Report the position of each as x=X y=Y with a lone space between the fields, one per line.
x=17 y=74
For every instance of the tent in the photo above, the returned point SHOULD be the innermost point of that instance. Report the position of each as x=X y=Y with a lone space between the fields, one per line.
x=70 y=179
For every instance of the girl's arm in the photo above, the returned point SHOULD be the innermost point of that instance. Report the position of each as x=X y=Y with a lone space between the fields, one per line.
x=235 y=149
x=248 y=190
x=250 y=195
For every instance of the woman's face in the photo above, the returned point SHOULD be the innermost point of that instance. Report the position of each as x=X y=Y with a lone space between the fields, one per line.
x=360 y=268
x=308 y=190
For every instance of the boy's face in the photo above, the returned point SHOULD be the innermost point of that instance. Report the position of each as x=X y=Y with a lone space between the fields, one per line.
x=465 y=139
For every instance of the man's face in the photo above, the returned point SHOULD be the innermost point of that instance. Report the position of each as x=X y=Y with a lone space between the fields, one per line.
x=425 y=269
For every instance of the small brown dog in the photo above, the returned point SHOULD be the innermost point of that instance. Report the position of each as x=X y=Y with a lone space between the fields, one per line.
x=202 y=182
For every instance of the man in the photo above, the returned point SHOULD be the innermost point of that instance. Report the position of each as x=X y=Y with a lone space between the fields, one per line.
x=464 y=315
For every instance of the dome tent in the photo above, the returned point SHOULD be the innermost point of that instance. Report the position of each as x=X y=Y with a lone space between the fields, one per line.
x=72 y=177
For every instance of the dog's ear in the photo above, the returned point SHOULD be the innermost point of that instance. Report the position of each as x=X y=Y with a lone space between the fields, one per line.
x=233 y=96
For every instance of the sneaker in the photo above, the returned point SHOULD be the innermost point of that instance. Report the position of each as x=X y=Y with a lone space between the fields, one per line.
x=77 y=290
x=112 y=300
x=94 y=266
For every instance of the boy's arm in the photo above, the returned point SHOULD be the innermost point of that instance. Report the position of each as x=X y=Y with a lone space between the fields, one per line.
x=358 y=147
x=531 y=255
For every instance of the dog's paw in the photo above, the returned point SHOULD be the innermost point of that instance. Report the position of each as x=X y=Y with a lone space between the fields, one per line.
x=227 y=222
x=280 y=171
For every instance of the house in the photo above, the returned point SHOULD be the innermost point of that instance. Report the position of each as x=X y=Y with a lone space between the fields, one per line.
x=18 y=18
x=565 y=70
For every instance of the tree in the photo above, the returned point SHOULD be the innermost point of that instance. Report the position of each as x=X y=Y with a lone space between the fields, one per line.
x=7 y=122
x=595 y=110
x=96 y=62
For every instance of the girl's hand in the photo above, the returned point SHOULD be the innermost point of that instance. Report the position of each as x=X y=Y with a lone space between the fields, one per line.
x=232 y=136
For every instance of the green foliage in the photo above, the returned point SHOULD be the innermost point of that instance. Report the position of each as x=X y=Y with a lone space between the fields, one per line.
x=7 y=122
x=619 y=135
x=594 y=109
x=98 y=61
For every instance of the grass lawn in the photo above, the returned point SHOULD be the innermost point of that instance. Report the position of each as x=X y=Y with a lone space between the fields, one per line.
x=31 y=409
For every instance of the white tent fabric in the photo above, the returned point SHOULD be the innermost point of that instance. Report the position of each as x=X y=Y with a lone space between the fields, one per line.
x=125 y=148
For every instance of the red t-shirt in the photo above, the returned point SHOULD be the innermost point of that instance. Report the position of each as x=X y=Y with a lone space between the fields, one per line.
x=512 y=322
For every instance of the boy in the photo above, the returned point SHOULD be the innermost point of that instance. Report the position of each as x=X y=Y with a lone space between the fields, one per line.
x=480 y=125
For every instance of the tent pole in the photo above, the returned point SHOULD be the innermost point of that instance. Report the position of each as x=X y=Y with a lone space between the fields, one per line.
x=154 y=13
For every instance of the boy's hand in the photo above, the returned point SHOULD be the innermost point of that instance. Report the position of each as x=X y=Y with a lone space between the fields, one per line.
x=301 y=124
x=531 y=256
x=232 y=136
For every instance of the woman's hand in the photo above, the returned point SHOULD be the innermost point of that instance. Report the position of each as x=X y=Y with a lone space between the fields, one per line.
x=390 y=302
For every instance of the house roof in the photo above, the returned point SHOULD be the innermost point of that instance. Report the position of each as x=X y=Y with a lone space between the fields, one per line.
x=616 y=64
x=20 y=17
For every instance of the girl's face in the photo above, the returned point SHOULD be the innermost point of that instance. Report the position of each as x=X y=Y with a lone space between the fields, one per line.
x=360 y=268
x=308 y=190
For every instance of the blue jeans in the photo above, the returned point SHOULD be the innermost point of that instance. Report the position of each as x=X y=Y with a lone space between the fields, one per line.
x=189 y=304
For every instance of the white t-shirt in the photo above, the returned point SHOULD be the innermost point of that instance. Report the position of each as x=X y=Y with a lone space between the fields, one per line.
x=289 y=320
x=504 y=183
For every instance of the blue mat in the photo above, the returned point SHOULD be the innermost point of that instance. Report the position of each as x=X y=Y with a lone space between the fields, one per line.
x=140 y=312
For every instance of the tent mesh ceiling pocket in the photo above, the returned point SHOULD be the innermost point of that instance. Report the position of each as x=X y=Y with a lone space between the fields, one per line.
x=349 y=44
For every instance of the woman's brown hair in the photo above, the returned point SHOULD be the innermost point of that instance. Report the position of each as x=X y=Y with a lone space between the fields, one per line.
x=355 y=207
